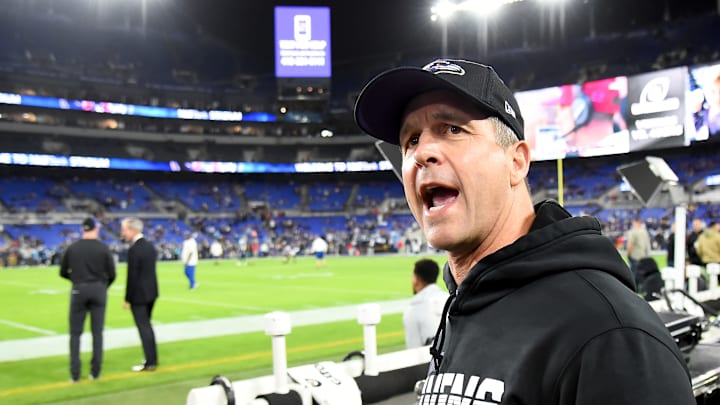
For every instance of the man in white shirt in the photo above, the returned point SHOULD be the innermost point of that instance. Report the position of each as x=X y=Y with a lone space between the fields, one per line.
x=289 y=253
x=422 y=317
x=216 y=251
x=189 y=257
x=319 y=248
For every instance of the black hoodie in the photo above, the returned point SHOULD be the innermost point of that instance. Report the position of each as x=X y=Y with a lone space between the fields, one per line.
x=553 y=319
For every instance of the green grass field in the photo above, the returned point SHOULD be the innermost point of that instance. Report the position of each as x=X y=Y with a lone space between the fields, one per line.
x=35 y=303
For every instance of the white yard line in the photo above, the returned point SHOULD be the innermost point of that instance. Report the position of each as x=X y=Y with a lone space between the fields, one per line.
x=28 y=327
x=21 y=284
x=21 y=349
x=204 y=303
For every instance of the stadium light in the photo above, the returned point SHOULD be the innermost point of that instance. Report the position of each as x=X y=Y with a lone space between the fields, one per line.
x=480 y=7
x=442 y=10
x=445 y=8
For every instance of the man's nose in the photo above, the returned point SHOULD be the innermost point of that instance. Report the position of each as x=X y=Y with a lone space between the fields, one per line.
x=427 y=150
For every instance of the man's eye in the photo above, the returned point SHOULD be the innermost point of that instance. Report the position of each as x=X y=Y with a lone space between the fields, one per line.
x=453 y=129
x=413 y=140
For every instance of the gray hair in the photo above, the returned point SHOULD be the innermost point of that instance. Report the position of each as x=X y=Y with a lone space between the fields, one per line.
x=506 y=137
x=133 y=223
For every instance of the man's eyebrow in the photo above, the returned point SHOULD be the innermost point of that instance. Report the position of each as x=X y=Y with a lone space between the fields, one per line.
x=448 y=116
x=437 y=116
x=403 y=129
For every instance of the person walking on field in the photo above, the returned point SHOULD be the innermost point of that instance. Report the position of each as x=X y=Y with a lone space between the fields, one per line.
x=319 y=248
x=189 y=257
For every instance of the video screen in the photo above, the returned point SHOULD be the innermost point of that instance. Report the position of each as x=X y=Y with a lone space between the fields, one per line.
x=576 y=120
x=656 y=109
x=703 y=103
x=302 y=42
x=606 y=117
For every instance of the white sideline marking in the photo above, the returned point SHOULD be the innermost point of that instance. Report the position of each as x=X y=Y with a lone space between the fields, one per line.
x=206 y=303
x=20 y=284
x=22 y=349
x=348 y=290
x=28 y=327
x=47 y=292
x=300 y=275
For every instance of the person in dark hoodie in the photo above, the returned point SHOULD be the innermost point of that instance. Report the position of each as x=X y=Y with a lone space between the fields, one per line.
x=90 y=265
x=651 y=282
x=542 y=308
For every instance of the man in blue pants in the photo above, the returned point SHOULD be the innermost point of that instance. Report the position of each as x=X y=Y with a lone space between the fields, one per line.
x=189 y=257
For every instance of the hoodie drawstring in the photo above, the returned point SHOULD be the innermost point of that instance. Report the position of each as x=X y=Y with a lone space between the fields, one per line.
x=439 y=340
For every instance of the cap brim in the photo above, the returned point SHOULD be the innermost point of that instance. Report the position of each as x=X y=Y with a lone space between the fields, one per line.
x=381 y=103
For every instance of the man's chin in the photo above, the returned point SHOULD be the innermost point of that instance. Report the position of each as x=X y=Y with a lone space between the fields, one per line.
x=440 y=243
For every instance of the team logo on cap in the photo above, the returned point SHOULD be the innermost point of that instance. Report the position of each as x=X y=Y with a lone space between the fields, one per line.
x=509 y=109
x=444 y=66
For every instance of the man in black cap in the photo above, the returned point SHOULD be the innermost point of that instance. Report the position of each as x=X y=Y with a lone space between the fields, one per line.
x=542 y=308
x=90 y=266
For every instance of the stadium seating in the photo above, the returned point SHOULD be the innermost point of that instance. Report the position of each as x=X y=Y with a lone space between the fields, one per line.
x=199 y=196
x=50 y=235
x=278 y=195
x=114 y=195
x=30 y=194
x=48 y=55
x=372 y=194
x=328 y=196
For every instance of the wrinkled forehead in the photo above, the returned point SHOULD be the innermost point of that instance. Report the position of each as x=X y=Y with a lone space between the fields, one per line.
x=441 y=105
x=446 y=101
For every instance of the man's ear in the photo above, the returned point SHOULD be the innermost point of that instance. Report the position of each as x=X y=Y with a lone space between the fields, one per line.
x=520 y=154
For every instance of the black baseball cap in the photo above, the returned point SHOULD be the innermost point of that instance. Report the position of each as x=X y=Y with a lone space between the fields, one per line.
x=379 y=108
x=89 y=224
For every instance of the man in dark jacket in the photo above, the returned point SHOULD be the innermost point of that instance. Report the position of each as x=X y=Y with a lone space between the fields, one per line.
x=541 y=307
x=698 y=226
x=142 y=288
x=651 y=282
x=90 y=266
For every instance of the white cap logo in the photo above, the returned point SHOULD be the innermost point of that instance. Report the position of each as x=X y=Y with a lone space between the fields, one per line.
x=509 y=109
x=444 y=66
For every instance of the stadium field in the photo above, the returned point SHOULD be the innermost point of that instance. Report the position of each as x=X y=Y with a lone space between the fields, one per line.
x=35 y=304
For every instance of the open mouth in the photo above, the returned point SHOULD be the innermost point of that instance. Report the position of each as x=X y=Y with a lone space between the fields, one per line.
x=437 y=197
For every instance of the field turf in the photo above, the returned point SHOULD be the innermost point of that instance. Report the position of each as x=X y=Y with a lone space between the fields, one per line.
x=35 y=304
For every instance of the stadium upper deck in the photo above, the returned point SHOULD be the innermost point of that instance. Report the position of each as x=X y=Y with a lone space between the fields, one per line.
x=187 y=58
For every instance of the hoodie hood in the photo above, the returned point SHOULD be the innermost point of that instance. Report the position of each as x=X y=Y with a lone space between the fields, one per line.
x=557 y=243
x=647 y=266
